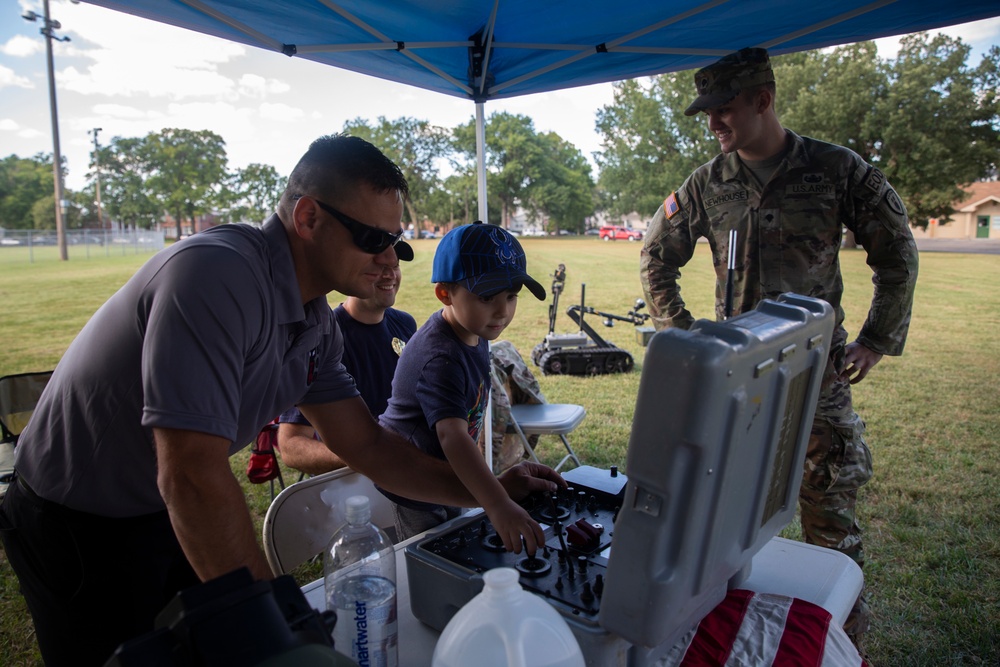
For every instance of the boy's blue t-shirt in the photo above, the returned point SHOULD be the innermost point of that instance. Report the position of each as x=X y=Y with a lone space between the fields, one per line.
x=437 y=377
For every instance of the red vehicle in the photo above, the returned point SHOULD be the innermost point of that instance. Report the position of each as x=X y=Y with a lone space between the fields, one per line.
x=616 y=233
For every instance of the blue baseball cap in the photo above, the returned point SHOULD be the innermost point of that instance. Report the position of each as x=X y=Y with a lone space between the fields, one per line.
x=485 y=259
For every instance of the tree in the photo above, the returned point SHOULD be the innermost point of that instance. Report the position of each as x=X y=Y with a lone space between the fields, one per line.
x=938 y=123
x=125 y=168
x=564 y=190
x=82 y=210
x=23 y=182
x=187 y=170
x=831 y=95
x=926 y=119
x=650 y=146
x=512 y=157
x=541 y=173
x=456 y=200
x=43 y=213
x=414 y=145
x=256 y=191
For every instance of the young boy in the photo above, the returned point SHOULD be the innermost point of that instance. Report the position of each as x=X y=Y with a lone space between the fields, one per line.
x=442 y=380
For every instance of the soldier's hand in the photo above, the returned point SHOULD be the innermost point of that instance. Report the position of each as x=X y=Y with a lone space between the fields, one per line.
x=858 y=360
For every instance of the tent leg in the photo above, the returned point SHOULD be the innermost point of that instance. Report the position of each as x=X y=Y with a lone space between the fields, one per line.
x=481 y=159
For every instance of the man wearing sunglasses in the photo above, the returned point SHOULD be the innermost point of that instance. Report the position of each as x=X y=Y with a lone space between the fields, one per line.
x=124 y=492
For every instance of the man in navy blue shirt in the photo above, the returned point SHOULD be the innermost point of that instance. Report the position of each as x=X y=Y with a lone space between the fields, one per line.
x=374 y=335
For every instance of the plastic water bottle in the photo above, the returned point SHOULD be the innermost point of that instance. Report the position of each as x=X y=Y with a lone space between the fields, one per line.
x=506 y=626
x=359 y=578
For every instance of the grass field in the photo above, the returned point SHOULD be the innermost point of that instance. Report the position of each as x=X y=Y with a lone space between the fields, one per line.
x=933 y=415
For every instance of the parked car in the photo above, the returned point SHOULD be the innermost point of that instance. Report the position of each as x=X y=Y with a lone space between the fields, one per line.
x=87 y=239
x=618 y=233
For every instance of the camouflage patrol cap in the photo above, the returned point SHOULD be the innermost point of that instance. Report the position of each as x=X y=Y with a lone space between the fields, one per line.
x=726 y=78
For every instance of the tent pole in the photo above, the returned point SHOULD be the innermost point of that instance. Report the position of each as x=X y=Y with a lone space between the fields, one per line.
x=481 y=159
x=481 y=178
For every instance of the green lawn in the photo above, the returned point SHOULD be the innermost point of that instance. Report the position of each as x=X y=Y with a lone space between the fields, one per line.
x=933 y=415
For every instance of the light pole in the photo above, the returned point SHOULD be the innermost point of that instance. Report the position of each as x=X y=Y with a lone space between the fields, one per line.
x=97 y=177
x=48 y=26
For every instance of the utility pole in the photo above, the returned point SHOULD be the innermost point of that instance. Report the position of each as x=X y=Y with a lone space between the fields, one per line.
x=48 y=26
x=97 y=177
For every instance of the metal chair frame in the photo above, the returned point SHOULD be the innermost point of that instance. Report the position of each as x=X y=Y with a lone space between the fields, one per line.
x=559 y=419
x=303 y=517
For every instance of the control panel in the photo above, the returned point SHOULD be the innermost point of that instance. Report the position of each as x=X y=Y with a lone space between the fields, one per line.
x=569 y=571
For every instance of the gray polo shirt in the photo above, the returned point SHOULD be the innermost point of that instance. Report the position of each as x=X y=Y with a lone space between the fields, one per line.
x=210 y=335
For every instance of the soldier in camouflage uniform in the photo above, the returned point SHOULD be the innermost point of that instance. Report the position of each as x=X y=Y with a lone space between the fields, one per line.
x=788 y=199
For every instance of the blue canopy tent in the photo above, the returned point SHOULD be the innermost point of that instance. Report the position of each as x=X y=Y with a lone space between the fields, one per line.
x=484 y=50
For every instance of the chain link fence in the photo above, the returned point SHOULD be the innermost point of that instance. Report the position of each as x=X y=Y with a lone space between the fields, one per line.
x=21 y=245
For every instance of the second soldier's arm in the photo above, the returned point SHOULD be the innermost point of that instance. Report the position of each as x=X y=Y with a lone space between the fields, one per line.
x=667 y=247
x=880 y=224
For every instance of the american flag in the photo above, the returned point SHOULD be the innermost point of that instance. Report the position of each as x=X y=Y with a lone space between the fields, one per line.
x=670 y=206
x=760 y=629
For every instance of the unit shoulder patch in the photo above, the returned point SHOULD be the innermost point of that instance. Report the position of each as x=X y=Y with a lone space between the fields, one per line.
x=875 y=180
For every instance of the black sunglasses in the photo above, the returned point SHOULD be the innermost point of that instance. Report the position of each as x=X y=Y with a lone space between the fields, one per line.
x=368 y=239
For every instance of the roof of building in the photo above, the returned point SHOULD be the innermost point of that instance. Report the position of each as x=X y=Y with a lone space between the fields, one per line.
x=978 y=193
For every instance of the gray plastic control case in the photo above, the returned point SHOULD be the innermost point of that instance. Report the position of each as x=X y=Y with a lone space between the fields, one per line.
x=721 y=425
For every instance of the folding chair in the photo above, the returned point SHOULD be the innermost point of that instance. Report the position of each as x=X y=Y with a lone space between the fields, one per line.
x=547 y=419
x=19 y=395
x=302 y=519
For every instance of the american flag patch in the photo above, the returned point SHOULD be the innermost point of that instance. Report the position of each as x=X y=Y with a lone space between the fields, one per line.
x=670 y=206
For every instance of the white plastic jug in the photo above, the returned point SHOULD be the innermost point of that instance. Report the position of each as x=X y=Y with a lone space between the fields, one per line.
x=506 y=626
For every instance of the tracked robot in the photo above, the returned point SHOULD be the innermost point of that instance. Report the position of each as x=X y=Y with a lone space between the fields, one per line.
x=584 y=352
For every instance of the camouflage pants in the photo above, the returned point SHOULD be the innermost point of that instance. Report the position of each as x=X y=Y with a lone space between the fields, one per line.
x=838 y=463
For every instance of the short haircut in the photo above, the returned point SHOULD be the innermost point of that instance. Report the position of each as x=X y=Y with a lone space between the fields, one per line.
x=338 y=163
x=751 y=92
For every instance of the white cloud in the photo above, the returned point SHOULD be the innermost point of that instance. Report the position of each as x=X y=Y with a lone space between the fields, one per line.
x=9 y=77
x=977 y=31
x=116 y=54
x=155 y=78
x=222 y=118
x=979 y=34
x=21 y=46
x=252 y=85
x=119 y=111
x=258 y=87
x=8 y=125
x=280 y=112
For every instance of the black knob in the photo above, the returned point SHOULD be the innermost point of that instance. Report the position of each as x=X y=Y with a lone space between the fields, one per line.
x=614 y=471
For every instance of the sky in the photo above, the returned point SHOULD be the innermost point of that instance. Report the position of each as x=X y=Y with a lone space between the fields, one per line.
x=131 y=76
